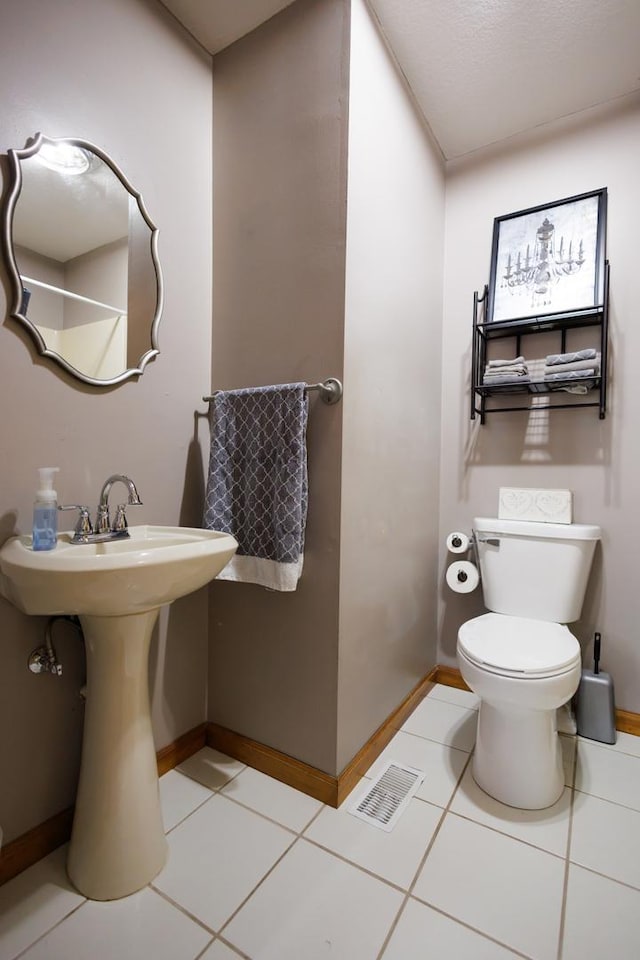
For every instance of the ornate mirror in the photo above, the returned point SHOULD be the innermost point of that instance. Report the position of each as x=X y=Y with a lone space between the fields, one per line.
x=82 y=256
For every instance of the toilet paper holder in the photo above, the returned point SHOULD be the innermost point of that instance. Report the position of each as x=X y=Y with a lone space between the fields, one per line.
x=469 y=543
x=474 y=539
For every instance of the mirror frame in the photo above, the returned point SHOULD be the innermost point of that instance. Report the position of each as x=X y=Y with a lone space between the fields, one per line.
x=15 y=156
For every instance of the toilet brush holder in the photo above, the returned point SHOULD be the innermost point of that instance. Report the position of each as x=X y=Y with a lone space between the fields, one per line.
x=595 y=713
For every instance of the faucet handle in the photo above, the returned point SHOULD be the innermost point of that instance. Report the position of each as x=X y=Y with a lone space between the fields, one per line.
x=83 y=524
x=120 y=520
x=103 y=524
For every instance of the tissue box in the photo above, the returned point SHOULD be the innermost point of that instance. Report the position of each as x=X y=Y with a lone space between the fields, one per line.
x=535 y=503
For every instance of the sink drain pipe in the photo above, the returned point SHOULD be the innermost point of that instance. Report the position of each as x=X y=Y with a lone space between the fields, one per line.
x=44 y=659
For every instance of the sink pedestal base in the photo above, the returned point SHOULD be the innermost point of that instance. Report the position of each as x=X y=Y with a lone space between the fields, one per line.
x=117 y=843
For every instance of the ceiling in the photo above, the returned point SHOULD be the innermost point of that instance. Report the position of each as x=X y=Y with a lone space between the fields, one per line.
x=480 y=70
x=63 y=217
x=217 y=23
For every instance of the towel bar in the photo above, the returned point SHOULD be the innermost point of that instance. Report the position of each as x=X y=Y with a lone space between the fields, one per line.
x=330 y=390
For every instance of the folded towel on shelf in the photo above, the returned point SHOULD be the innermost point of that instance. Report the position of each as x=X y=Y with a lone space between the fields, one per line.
x=512 y=371
x=561 y=368
x=257 y=484
x=553 y=358
x=504 y=374
x=506 y=363
x=497 y=379
x=573 y=374
x=580 y=388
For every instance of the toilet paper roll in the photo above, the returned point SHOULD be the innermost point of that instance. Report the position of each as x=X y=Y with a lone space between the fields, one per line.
x=462 y=576
x=457 y=542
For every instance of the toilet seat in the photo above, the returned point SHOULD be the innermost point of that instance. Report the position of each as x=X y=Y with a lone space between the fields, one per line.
x=518 y=646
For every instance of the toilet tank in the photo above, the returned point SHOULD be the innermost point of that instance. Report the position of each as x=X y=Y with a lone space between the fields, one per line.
x=537 y=570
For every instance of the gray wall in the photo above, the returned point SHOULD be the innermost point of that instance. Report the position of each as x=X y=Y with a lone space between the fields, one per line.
x=100 y=274
x=314 y=673
x=598 y=460
x=123 y=75
x=280 y=140
x=391 y=431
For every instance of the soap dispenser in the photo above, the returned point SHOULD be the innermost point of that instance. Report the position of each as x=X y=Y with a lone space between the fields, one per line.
x=45 y=511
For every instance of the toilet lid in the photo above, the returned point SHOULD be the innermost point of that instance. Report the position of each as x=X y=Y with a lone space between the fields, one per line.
x=519 y=644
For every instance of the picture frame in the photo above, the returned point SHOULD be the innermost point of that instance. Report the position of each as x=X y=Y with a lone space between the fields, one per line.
x=549 y=259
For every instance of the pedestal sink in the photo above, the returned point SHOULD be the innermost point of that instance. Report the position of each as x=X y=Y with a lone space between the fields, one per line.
x=116 y=588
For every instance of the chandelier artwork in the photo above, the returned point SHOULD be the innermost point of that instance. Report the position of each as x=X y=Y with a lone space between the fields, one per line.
x=546 y=265
x=548 y=259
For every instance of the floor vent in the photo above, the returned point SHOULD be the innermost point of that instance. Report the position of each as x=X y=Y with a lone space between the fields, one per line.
x=380 y=803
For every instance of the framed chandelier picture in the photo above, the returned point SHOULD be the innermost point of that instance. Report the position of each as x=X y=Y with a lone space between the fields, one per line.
x=548 y=259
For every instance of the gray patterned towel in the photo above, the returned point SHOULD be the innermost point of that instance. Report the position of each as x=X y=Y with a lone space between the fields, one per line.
x=561 y=368
x=517 y=361
x=489 y=381
x=257 y=486
x=573 y=374
x=560 y=358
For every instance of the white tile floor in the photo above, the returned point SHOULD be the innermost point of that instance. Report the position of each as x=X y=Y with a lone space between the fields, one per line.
x=260 y=871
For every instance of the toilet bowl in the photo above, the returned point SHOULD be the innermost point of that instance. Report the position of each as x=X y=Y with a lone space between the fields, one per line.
x=522 y=670
x=521 y=659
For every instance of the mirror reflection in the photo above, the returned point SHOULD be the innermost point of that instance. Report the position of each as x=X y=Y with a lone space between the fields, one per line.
x=82 y=252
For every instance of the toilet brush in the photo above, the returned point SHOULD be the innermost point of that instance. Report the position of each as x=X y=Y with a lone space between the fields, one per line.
x=595 y=712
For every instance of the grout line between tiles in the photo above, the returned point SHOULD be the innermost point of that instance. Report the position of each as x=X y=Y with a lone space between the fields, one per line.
x=447 y=810
x=258 y=884
x=213 y=789
x=186 y=816
x=455 y=919
x=467 y=926
x=182 y=909
x=565 y=882
x=245 y=806
x=297 y=837
x=326 y=850
x=615 y=803
x=205 y=948
x=454 y=703
x=314 y=817
x=605 y=748
x=609 y=747
x=47 y=932
x=278 y=823
x=441 y=743
x=605 y=876
x=358 y=866
x=451 y=746
x=264 y=816
x=421 y=864
x=509 y=836
x=236 y=950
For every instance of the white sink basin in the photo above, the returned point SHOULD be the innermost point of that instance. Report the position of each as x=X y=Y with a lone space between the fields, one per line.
x=154 y=566
x=116 y=588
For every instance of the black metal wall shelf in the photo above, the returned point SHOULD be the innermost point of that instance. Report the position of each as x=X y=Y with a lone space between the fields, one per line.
x=484 y=333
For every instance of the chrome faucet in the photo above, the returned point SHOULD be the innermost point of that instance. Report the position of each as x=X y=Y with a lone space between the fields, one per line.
x=103 y=530
x=103 y=524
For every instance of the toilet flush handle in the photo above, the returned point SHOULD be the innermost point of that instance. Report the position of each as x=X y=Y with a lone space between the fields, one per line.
x=492 y=541
x=482 y=538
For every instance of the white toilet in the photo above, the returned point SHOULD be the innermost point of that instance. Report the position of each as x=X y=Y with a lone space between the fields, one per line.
x=520 y=659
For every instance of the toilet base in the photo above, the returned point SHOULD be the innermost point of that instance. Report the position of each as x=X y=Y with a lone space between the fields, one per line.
x=518 y=758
